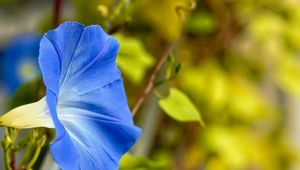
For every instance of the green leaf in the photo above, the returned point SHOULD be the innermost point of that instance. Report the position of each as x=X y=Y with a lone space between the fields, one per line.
x=162 y=16
x=133 y=59
x=201 y=23
x=178 y=106
x=130 y=162
x=170 y=65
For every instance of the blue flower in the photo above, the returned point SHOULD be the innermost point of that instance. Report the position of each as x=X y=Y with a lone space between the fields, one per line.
x=85 y=99
x=20 y=61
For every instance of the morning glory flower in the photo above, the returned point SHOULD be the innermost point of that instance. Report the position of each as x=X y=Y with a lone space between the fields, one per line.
x=85 y=99
x=19 y=62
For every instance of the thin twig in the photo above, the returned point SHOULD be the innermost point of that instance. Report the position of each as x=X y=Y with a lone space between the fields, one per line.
x=117 y=28
x=151 y=82
x=57 y=12
x=164 y=57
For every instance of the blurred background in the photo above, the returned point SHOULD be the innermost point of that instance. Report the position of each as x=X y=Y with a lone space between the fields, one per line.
x=236 y=64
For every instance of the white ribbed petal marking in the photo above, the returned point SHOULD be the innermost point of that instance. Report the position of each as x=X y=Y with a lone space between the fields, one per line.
x=28 y=116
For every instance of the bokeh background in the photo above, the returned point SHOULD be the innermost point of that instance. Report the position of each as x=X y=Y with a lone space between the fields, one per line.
x=238 y=62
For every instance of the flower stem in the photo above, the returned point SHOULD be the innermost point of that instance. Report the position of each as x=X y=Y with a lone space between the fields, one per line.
x=34 y=157
x=10 y=138
x=39 y=145
x=6 y=156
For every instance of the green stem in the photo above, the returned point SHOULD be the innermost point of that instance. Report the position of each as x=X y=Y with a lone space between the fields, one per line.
x=23 y=143
x=6 y=149
x=34 y=158
x=7 y=159
x=40 y=143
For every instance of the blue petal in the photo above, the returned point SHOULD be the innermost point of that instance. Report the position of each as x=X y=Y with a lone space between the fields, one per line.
x=86 y=98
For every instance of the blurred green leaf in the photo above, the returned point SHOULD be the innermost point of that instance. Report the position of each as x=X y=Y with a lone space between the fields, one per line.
x=133 y=59
x=201 y=23
x=288 y=75
x=6 y=2
x=178 y=106
x=207 y=83
x=28 y=93
x=161 y=15
x=129 y=162
x=87 y=13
